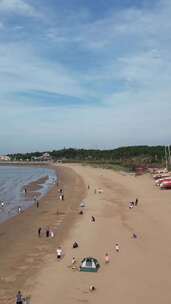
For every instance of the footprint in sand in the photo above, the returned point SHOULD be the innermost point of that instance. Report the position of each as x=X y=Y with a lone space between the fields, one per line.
x=29 y=260
x=9 y=279
x=24 y=267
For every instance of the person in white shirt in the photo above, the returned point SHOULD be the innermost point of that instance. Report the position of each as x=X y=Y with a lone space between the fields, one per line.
x=19 y=209
x=59 y=253
x=52 y=234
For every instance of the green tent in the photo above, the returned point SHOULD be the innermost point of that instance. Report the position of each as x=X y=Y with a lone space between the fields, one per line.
x=89 y=264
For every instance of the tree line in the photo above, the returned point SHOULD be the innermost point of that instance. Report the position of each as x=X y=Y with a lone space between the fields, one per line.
x=122 y=155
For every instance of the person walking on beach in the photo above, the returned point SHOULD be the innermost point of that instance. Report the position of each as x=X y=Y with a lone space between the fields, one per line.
x=52 y=234
x=130 y=205
x=136 y=202
x=19 y=298
x=107 y=258
x=134 y=236
x=73 y=260
x=93 y=219
x=117 y=247
x=39 y=231
x=59 y=252
x=37 y=203
x=47 y=232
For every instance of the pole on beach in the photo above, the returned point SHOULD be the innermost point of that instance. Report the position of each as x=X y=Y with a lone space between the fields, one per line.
x=169 y=154
x=166 y=158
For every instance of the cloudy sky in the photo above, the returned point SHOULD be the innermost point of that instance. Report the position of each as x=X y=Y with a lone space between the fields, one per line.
x=83 y=73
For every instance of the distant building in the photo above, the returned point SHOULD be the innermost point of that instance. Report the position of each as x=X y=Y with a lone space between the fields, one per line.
x=44 y=157
x=4 y=158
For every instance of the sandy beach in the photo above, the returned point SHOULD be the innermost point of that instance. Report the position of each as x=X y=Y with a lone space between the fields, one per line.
x=138 y=273
x=22 y=253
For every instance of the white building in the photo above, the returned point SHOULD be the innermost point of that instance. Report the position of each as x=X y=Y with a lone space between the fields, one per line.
x=4 y=158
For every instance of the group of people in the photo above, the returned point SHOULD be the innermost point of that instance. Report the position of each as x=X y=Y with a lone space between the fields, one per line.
x=48 y=233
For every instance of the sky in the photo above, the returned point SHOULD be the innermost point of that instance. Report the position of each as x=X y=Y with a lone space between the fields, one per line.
x=83 y=73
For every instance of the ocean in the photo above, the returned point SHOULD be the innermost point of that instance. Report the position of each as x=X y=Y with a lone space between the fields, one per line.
x=12 y=181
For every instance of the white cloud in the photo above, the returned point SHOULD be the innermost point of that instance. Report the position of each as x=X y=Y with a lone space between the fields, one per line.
x=22 y=71
x=128 y=68
x=20 y=7
x=131 y=28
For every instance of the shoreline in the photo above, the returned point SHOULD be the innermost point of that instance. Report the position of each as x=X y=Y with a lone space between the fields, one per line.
x=26 y=163
x=35 y=185
x=21 y=251
x=36 y=188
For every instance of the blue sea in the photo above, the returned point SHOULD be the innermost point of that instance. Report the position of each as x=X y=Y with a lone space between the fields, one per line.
x=12 y=181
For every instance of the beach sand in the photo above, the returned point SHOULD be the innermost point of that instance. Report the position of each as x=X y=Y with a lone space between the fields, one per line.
x=138 y=273
x=22 y=253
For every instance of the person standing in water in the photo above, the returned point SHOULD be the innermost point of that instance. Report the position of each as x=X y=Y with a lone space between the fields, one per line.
x=2 y=204
x=37 y=203
x=19 y=210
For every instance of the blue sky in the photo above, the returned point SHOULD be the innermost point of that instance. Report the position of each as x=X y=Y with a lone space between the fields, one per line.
x=91 y=74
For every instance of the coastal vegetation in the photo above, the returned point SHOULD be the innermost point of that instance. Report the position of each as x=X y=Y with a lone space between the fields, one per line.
x=124 y=156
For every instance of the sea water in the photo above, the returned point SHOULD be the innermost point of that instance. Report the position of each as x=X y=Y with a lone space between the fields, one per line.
x=12 y=181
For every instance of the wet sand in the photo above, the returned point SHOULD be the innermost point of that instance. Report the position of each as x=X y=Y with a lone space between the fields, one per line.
x=33 y=186
x=32 y=189
x=22 y=253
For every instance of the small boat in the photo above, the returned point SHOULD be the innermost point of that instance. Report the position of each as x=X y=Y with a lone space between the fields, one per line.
x=159 y=176
x=165 y=185
x=161 y=180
